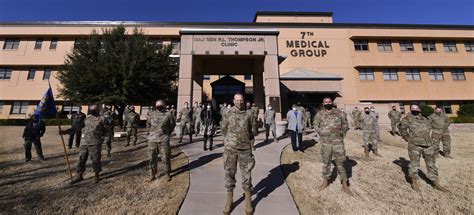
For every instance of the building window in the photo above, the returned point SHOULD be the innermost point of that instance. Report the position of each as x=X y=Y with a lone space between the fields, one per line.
x=1 y=107
x=175 y=48
x=384 y=45
x=390 y=74
x=402 y=107
x=156 y=42
x=366 y=74
x=406 y=46
x=54 y=44
x=144 y=110
x=450 y=46
x=436 y=74
x=11 y=43
x=361 y=45
x=469 y=45
x=247 y=77
x=31 y=74
x=413 y=74
x=19 y=107
x=446 y=106
x=206 y=77
x=47 y=73
x=458 y=74
x=70 y=109
x=38 y=43
x=5 y=73
x=428 y=46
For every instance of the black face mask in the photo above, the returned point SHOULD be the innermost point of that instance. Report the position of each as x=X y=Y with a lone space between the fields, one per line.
x=160 y=108
x=415 y=112
x=328 y=106
x=367 y=112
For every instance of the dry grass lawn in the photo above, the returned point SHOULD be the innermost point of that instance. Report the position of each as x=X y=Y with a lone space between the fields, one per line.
x=43 y=187
x=379 y=184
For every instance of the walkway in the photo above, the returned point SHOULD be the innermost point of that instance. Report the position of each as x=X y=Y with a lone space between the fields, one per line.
x=207 y=194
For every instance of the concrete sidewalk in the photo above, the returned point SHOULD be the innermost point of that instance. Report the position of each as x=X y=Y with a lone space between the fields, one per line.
x=207 y=193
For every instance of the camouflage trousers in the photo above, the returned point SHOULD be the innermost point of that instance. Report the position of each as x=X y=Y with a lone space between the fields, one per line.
x=208 y=130
x=394 y=124
x=370 y=137
x=428 y=152
x=356 y=122
x=186 y=128
x=38 y=148
x=197 y=126
x=268 y=128
x=246 y=162
x=109 y=137
x=162 y=148
x=94 y=152
x=339 y=153
x=377 y=132
x=444 y=137
x=132 y=134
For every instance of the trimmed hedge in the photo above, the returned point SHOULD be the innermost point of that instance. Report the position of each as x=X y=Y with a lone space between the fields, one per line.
x=466 y=110
x=462 y=119
x=23 y=122
x=426 y=110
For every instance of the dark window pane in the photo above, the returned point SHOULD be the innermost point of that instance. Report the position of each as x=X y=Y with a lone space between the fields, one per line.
x=31 y=74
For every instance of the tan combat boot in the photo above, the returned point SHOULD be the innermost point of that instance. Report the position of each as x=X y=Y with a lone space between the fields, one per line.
x=376 y=153
x=325 y=184
x=415 y=185
x=437 y=186
x=228 y=203
x=77 y=178
x=248 y=203
x=345 y=188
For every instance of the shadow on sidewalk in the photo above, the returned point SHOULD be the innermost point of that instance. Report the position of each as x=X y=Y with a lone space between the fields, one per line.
x=196 y=163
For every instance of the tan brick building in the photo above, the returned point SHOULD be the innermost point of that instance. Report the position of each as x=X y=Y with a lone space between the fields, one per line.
x=279 y=58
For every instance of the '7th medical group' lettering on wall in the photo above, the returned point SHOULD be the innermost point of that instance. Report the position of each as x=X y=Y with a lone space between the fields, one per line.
x=307 y=46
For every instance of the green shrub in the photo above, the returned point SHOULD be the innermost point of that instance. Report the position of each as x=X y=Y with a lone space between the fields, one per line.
x=426 y=110
x=462 y=119
x=466 y=110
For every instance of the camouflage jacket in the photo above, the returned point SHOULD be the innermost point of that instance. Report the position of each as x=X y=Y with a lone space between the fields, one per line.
x=269 y=117
x=94 y=130
x=356 y=114
x=132 y=120
x=77 y=120
x=148 y=115
x=375 y=114
x=237 y=128
x=108 y=117
x=331 y=126
x=255 y=111
x=197 y=113
x=162 y=124
x=186 y=115
x=439 y=123
x=394 y=115
x=306 y=115
x=416 y=130
x=368 y=122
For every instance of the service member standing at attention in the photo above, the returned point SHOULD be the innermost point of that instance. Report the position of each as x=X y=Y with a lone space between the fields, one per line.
x=77 y=123
x=356 y=118
x=94 y=132
x=394 y=115
x=440 y=124
x=185 y=117
x=368 y=124
x=306 y=119
x=161 y=124
x=237 y=130
x=208 y=120
x=295 y=125
x=197 y=118
x=108 y=116
x=126 y=112
x=32 y=134
x=415 y=129
x=269 y=122
x=332 y=126
x=376 y=115
x=132 y=126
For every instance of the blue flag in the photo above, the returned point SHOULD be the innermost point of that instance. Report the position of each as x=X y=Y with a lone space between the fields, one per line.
x=46 y=106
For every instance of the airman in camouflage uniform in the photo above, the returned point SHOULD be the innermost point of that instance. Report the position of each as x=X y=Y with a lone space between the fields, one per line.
x=108 y=116
x=331 y=126
x=197 y=118
x=126 y=112
x=269 y=122
x=416 y=129
x=94 y=132
x=161 y=124
x=376 y=115
x=306 y=119
x=369 y=124
x=185 y=117
x=394 y=115
x=356 y=117
x=440 y=124
x=77 y=123
x=132 y=126
x=237 y=130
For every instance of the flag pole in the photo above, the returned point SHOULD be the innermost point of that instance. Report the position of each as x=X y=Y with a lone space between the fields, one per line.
x=64 y=147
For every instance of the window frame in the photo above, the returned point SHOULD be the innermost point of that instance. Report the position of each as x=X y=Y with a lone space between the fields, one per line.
x=15 y=44
x=457 y=73
x=404 y=43
x=31 y=72
x=449 y=45
x=366 y=72
x=38 y=44
x=435 y=73
x=23 y=109
x=469 y=44
x=48 y=71
x=361 y=44
x=390 y=72
x=383 y=45
x=413 y=72
x=6 y=73
x=426 y=46
x=176 y=51
x=53 y=45
x=247 y=77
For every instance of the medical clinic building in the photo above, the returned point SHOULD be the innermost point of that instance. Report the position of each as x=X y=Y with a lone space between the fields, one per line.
x=279 y=59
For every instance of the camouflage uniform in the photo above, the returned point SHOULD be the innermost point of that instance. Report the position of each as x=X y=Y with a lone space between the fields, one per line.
x=132 y=127
x=395 y=117
x=237 y=130
x=269 y=121
x=197 y=119
x=208 y=126
x=161 y=124
x=185 y=116
x=356 y=118
x=332 y=127
x=108 y=116
x=77 y=123
x=255 y=112
x=94 y=132
x=416 y=131
x=126 y=112
x=368 y=123
x=440 y=124
x=306 y=119
x=377 y=130
x=31 y=134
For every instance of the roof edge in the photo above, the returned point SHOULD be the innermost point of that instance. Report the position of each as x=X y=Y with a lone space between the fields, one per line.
x=291 y=13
